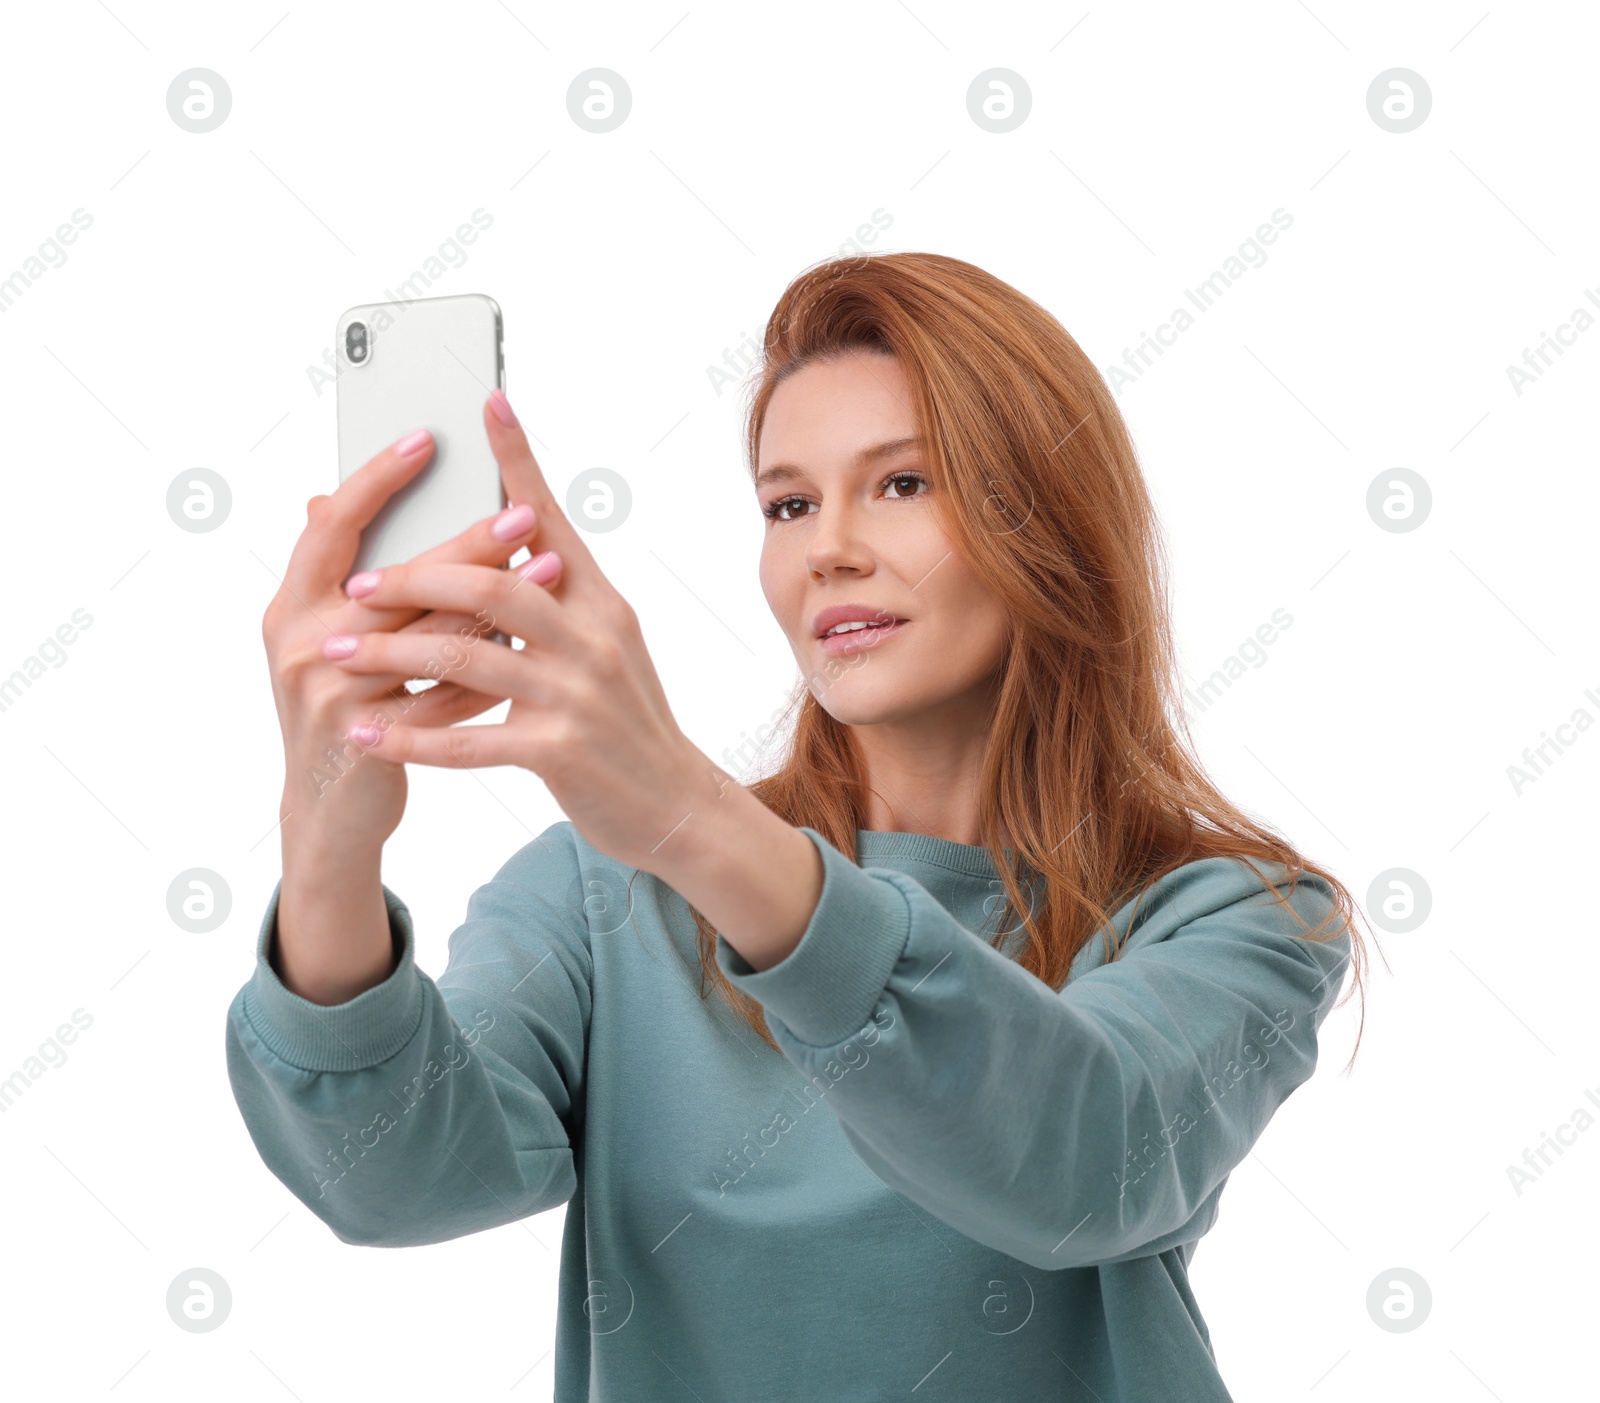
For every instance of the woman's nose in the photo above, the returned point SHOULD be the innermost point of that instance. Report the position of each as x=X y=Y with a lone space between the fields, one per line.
x=837 y=540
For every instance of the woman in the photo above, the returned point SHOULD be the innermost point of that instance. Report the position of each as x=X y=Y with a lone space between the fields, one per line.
x=918 y=1063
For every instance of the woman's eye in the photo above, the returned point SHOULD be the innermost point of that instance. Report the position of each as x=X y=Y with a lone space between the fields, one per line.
x=774 y=512
x=798 y=505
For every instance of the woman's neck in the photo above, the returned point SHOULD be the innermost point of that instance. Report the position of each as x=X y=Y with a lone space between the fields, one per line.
x=922 y=773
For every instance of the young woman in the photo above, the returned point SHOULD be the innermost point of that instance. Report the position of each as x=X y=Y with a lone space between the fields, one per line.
x=919 y=1063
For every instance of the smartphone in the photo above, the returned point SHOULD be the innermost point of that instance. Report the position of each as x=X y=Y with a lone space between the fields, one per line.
x=425 y=364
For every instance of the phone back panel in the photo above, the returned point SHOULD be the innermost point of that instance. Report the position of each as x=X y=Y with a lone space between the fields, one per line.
x=430 y=365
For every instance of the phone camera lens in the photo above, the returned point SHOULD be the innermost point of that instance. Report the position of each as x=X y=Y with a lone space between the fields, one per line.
x=355 y=342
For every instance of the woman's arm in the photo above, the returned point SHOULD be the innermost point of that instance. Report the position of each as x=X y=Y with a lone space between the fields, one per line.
x=420 y=1111
x=1068 y=1128
x=330 y=935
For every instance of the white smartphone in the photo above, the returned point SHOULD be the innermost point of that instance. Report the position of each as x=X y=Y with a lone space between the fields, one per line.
x=424 y=364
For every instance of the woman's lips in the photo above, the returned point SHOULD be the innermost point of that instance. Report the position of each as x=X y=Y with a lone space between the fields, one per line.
x=856 y=639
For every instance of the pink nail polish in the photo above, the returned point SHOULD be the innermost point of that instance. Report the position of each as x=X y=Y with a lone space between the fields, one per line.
x=413 y=442
x=341 y=645
x=542 y=568
x=364 y=583
x=502 y=408
x=513 y=522
x=367 y=736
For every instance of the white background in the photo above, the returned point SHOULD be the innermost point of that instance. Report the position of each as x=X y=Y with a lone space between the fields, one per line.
x=1377 y=733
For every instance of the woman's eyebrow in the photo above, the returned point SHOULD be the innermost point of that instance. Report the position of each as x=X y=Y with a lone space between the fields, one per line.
x=785 y=472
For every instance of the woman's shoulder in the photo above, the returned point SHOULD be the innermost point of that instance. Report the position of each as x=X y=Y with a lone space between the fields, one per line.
x=1214 y=912
x=1253 y=896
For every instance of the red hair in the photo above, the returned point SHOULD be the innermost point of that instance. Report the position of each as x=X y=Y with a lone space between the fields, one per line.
x=1090 y=775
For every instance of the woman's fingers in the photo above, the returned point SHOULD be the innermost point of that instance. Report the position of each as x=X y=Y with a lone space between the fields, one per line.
x=487 y=668
x=440 y=706
x=439 y=635
x=524 y=482
x=439 y=621
x=491 y=541
x=515 y=600
x=327 y=547
x=318 y=569
x=436 y=643
x=452 y=748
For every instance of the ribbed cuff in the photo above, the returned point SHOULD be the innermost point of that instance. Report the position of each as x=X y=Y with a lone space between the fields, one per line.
x=826 y=989
x=347 y=1037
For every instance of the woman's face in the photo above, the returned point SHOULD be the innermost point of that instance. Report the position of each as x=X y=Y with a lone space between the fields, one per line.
x=856 y=530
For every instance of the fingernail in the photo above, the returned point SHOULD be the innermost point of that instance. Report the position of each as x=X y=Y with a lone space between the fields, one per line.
x=367 y=736
x=413 y=442
x=512 y=523
x=502 y=408
x=341 y=645
x=542 y=568
x=364 y=583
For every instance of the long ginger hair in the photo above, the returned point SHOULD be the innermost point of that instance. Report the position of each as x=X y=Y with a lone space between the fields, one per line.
x=1089 y=776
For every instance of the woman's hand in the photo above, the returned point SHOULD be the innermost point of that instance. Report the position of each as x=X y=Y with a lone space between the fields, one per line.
x=336 y=802
x=588 y=714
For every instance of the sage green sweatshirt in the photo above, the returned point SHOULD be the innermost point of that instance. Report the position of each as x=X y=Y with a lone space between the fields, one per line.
x=953 y=1180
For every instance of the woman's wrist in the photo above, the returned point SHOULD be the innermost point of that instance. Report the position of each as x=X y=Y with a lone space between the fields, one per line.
x=332 y=939
x=755 y=877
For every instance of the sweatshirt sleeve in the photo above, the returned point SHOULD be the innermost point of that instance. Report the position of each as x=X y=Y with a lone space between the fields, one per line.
x=420 y=1111
x=1068 y=1128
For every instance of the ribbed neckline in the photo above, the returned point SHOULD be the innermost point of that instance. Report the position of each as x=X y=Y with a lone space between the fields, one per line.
x=960 y=857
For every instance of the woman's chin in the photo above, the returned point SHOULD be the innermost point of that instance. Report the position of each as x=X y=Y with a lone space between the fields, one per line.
x=858 y=706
